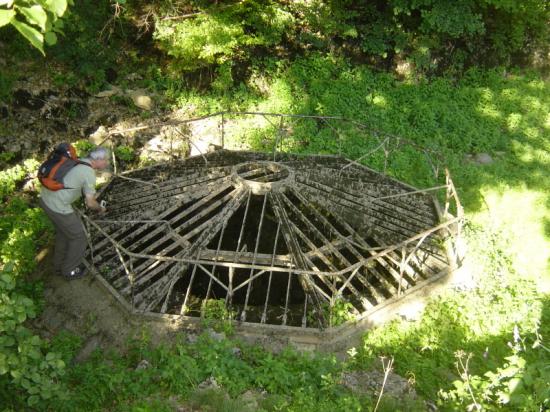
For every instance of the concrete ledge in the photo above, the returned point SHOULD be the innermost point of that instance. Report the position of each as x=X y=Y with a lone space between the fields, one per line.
x=305 y=339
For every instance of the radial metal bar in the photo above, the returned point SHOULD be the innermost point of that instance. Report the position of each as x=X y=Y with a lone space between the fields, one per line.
x=334 y=251
x=304 y=317
x=150 y=293
x=159 y=203
x=204 y=212
x=208 y=195
x=184 y=306
x=243 y=225
x=420 y=208
x=384 y=217
x=381 y=222
x=327 y=262
x=161 y=294
x=186 y=238
x=285 y=313
x=214 y=266
x=264 y=313
x=205 y=237
x=307 y=284
x=248 y=289
x=380 y=260
x=229 y=296
x=326 y=223
x=415 y=207
x=128 y=203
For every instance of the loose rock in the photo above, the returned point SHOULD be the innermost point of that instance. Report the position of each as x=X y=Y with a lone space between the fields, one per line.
x=371 y=382
x=480 y=158
x=143 y=364
x=209 y=383
x=140 y=99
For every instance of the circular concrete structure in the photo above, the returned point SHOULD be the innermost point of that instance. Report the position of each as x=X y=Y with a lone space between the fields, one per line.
x=280 y=242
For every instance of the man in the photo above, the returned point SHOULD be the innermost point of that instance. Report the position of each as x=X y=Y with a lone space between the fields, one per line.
x=70 y=237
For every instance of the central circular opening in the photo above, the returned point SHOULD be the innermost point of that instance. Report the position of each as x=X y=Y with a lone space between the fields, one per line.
x=262 y=171
x=262 y=177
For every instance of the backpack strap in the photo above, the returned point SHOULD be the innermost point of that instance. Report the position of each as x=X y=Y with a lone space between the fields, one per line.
x=75 y=162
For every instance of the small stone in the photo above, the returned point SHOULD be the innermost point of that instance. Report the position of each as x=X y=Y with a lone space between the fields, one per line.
x=106 y=93
x=236 y=352
x=209 y=384
x=109 y=92
x=98 y=136
x=370 y=382
x=143 y=364
x=215 y=335
x=483 y=159
x=133 y=77
x=140 y=99
x=192 y=338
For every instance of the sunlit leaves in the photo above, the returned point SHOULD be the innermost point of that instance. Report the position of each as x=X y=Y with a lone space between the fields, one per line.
x=36 y=20
x=6 y=17
x=35 y=15
x=58 y=7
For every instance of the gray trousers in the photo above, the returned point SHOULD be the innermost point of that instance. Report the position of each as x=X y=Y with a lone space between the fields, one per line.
x=70 y=240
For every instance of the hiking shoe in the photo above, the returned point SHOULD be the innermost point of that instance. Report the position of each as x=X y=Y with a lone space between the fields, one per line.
x=76 y=273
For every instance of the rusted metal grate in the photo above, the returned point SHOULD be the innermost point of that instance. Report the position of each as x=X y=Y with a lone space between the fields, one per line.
x=279 y=239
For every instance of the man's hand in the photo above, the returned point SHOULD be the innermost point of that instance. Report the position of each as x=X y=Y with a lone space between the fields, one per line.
x=93 y=204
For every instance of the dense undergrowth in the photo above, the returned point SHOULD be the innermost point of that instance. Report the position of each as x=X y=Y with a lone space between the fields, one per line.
x=483 y=345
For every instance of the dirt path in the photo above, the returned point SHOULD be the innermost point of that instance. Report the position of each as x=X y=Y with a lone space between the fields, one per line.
x=81 y=307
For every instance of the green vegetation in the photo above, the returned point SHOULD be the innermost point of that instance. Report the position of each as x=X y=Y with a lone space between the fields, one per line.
x=125 y=153
x=36 y=21
x=497 y=326
x=216 y=316
x=433 y=35
x=442 y=75
x=28 y=369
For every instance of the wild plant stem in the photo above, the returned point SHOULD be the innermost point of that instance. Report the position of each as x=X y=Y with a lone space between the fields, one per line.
x=387 y=369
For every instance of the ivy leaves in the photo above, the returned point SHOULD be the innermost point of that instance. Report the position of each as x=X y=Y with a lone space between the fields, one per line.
x=39 y=21
x=22 y=355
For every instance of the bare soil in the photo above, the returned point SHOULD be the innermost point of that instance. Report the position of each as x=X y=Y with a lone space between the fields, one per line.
x=80 y=307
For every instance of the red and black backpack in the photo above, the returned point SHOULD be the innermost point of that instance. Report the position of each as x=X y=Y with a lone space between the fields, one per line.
x=62 y=159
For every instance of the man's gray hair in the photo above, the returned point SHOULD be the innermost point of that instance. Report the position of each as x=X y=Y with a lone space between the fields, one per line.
x=99 y=153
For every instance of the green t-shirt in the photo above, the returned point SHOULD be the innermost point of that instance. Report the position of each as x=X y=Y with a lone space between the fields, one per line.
x=80 y=179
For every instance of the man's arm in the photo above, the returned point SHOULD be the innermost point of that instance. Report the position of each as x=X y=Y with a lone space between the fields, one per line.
x=92 y=203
